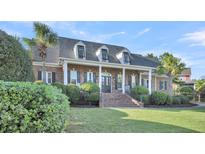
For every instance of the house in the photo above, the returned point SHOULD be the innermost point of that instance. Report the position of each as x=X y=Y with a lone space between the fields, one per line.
x=114 y=68
x=185 y=77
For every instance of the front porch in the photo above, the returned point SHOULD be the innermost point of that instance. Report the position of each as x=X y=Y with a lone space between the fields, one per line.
x=110 y=78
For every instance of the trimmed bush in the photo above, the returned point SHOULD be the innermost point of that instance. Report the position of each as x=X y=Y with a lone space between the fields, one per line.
x=73 y=92
x=145 y=99
x=90 y=87
x=138 y=92
x=32 y=108
x=187 y=91
x=159 y=98
x=183 y=99
x=169 y=100
x=176 y=100
x=60 y=86
x=93 y=97
x=91 y=92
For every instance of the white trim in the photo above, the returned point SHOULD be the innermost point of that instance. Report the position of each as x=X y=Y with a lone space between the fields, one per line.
x=140 y=79
x=104 y=64
x=123 y=80
x=99 y=52
x=120 y=56
x=75 y=49
x=155 y=74
x=150 y=82
x=155 y=83
x=65 y=73
x=47 y=64
x=47 y=77
x=100 y=78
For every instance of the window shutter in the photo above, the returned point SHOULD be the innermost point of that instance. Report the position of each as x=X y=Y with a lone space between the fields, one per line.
x=116 y=81
x=165 y=85
x=94 y=77
x=68 y=76
x=53 y=77
x=85 y=76
x=39 y=75
x=78 y=77
x=142 y=82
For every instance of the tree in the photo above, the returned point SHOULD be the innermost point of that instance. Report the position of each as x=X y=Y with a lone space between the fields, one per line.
x=152 y=56
x=170 y=65
x=200 y=88
x=15 y=63
x=44 y=38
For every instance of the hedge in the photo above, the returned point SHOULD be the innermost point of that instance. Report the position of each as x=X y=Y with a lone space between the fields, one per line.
x=159 y=98
x=73 y=92
x=32 y=108
x=139 y=93
x=187 y=91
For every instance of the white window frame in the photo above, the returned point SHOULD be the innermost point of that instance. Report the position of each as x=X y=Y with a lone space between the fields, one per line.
x=47 y=77
x=99 y=53
x=88 y=76
x=71 y=72
x=163 y=85
x=76 y=49
x=120 y=56
x=133 y=80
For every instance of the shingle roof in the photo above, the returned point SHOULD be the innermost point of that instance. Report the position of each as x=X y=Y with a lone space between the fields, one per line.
x=65 y=49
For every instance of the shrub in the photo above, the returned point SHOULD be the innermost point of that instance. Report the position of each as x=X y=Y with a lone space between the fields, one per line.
x=176 y=100
x=93 y=97
x=183 y=99
x=159 y=98
x=187 y=91
x=91 y=92
x=169 y=100
x=139 y=91
x=15 y=62
x=145 y=99
x=60 y=86
x=28 y=107
x=73 y=92
x=90 y=87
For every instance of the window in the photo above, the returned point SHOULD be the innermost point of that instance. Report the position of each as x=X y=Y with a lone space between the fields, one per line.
x=126 y=58
x=104 y=54
x=49 y=77
x=89 y=76
x=73 y=77
x=119 y=81
x=81 y=51
x=163 y=85
x=145 y=83
x=133 y=81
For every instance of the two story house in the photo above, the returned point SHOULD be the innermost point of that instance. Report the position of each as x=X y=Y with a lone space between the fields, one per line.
x=114 y=68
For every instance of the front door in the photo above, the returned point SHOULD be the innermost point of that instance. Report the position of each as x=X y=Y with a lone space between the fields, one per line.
x=106 y=83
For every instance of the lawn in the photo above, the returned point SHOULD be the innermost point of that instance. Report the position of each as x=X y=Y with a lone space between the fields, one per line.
x=88 y=120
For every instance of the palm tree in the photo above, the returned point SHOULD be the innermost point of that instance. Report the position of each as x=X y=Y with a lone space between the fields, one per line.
x=199 y=88
x=44 y=38
x=170 y=65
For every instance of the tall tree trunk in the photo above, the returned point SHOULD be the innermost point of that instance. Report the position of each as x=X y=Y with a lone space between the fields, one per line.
x=44 y=70
x=170 y=85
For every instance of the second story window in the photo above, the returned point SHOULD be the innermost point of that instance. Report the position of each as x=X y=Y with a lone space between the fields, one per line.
x=126 y=58
x=104 y=54
x=81 y=51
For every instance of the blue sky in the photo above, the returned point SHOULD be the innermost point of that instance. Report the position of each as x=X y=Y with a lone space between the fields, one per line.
x=185 y=40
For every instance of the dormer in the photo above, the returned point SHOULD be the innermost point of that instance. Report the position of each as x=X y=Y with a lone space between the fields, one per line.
x=103 y=54
x=80 y=50
x=124 y=56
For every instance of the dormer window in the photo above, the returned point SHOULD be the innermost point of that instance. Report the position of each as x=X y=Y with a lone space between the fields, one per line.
x=104 y=53
x=126 y=58
x=81 y=51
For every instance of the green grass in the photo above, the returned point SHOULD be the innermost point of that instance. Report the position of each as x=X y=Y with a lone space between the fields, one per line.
x=87 y=120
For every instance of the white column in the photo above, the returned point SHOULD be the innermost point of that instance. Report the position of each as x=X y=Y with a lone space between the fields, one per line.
x=100 y=78
x=123 y=80
x=140 y=79
x=150 y=81
x=155 y=84
x=65 y=73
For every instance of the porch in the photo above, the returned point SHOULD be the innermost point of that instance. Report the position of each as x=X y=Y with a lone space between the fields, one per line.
x=110 y=77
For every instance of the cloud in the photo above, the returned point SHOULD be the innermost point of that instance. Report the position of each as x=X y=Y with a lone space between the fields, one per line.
x=195 y=38
x=146 y=30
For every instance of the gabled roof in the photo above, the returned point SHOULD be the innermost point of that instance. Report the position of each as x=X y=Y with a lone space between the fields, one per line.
x=65 y=49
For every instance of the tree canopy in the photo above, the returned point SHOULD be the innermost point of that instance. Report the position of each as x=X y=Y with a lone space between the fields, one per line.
x=15 y=63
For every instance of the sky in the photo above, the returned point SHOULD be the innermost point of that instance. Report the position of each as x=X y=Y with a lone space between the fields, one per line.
x=185 y=40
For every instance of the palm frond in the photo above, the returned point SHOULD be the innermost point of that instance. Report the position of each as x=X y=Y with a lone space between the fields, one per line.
x=29 y=42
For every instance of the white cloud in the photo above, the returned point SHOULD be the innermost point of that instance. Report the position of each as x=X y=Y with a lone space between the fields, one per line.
x=143 y=32
x=195 y=38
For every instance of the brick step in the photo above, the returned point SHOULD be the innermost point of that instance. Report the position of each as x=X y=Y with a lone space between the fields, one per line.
x=117 y=99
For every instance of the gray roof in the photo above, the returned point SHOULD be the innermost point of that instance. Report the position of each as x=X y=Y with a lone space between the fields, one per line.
x=65 y=49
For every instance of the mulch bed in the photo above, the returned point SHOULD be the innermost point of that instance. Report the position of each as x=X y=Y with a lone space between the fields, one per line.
x=171 y=106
